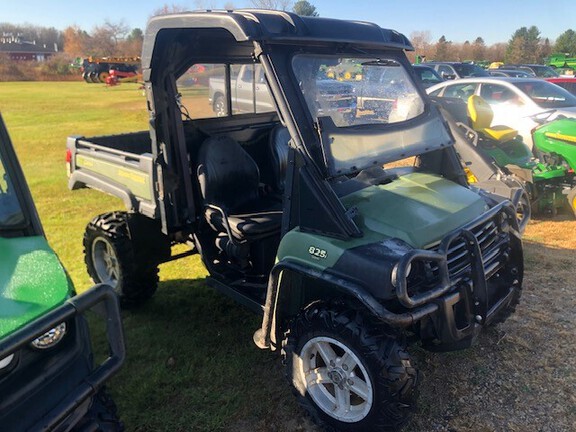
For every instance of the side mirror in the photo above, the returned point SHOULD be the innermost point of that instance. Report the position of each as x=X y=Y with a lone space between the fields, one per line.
x=447 y=76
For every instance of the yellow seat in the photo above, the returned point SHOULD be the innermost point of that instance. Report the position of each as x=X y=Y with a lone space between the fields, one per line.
x=481 y=116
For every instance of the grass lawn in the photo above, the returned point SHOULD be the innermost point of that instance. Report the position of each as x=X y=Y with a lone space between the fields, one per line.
x=192 y=365
x=191 y=361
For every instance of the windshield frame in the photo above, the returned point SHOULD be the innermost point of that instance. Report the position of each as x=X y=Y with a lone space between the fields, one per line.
x=30 y=224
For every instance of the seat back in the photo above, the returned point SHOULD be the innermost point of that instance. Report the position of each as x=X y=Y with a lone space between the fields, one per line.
x=228 y=176
x=278 y=144
x=480 y=113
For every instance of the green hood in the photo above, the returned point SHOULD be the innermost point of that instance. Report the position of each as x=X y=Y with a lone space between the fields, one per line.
x=32 y=281
x=417 y=208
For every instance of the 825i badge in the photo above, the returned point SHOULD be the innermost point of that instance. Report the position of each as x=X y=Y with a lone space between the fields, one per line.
x=317 y=253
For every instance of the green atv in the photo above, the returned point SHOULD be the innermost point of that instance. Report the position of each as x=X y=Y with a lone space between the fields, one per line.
x=47 y=377
x=348 y=233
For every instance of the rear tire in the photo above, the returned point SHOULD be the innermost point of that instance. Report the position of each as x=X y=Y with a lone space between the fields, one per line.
x=102 y=77
x=349 y=373
x=111 y=258
x=219 y=106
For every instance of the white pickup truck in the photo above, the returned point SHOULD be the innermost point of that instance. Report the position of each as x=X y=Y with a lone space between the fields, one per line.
x=250 y=94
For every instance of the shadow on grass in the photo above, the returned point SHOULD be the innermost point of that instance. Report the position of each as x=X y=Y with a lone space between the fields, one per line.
x=192 y=366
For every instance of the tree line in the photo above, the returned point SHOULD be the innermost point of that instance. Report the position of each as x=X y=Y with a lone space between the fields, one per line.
x=526 y=44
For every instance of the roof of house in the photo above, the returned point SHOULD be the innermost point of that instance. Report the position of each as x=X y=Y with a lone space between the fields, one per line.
x=26 y=47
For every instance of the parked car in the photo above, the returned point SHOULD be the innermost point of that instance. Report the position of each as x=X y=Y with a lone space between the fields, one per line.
x=541 y=71
x=513 y=100
x=515 y=73
x=455 y=70
x=566 y=83
x=427 y=75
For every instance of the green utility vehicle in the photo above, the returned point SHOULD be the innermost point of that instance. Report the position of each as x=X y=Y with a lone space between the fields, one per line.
x=347 y=233
x=48 y=381
x=559 y=60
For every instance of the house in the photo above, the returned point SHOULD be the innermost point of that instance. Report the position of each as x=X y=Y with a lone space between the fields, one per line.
x=18 y=50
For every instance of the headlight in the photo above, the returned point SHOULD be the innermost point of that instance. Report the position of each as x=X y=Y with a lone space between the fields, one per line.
x=50 y=338
x=6 y=361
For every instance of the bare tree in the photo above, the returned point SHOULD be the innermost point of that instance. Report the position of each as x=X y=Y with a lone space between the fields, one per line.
x=422 y=47
x=464 y=51
x=172 y=8
x=496 y=52
x=206 y=4
x=100 y=43
x=272 y=4
x=117 y=30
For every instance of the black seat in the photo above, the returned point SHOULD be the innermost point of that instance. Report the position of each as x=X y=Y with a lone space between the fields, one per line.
x=278 y=144
x=229 y=181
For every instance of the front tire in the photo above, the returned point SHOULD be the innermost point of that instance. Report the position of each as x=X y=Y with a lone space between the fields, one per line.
x=349 y=373
x=102 y=415
x=111 y=258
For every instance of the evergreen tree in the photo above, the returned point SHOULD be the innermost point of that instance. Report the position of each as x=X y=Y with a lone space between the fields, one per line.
x=304 y=8
x=442 y=49
x=523 y=46
x=566 y=43
x=478 y=49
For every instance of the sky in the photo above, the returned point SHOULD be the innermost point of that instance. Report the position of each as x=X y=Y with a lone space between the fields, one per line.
x=493 y=20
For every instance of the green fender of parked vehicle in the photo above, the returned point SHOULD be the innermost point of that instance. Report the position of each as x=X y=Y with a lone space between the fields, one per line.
x=32 y=281
x=558 y=137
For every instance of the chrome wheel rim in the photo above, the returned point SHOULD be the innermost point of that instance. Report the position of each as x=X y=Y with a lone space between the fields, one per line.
x=105 y=262
x=220 y=107
x=336 y=379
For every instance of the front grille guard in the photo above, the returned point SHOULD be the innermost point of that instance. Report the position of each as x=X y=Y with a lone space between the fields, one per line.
x=445 y=283
x=103 y=300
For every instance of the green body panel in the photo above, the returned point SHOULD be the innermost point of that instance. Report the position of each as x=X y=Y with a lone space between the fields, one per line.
x=418 y=208
x=136 y=181
x=558 y=136
x=543 y=172
x=32 y=281
x=561 y=60
x=513 y=152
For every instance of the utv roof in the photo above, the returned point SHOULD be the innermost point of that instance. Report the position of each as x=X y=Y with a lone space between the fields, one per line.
x=275 y=26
